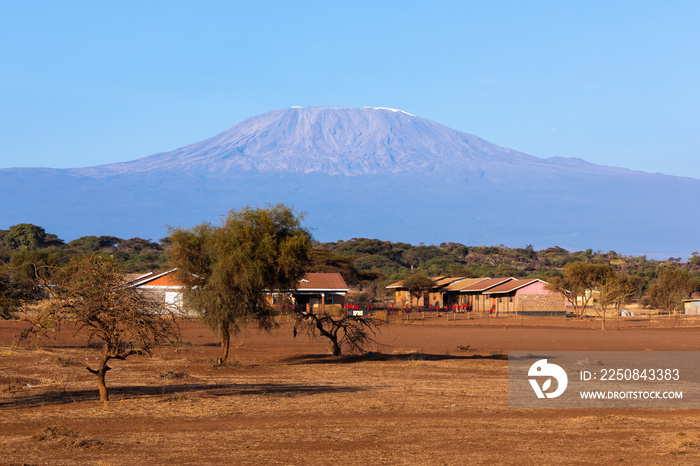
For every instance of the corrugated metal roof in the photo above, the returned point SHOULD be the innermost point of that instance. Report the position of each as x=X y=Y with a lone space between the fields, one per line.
x=485 y=284
x=458 y=285
x=317 y=281
x=446 y=281
x=133 y=277
x=162 y=278
x=310 y=282
x=511 y=286
x=440 y=280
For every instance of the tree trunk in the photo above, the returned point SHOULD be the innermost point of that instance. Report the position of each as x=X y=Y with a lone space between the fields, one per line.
x=100 y=374
x=225 y=343
x=336 y=347
x=104 y=394
x=603 y=315
x=333 y=335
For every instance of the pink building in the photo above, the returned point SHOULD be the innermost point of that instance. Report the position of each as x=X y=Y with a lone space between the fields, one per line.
x=525 y=297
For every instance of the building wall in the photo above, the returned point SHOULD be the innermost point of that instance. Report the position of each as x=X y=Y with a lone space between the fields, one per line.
x=435 y=299
x=404 y=297
x=536 y=298
x=692 y=307
x=534 y=288
x=170 y=297
x=315 y=298
x=504 y=304
x=544 y=303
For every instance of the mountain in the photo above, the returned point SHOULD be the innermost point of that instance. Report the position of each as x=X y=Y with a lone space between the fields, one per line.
x=365 y=172
x=334 y=141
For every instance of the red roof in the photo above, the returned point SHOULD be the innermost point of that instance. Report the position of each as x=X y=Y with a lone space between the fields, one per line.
x=167 y=278
x=322 y=282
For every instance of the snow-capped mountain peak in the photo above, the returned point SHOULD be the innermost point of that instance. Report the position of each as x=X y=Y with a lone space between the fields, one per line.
x=330 y=140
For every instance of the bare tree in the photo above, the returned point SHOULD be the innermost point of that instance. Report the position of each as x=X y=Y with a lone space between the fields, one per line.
x=578 y=284
x=94 y=296
x=349 y=333
x=612 y=289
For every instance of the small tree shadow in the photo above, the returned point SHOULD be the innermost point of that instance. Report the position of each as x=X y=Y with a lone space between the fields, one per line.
x=201 y=390
x=373 y=356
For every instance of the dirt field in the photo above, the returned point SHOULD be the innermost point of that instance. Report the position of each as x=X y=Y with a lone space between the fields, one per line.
x=418 y=400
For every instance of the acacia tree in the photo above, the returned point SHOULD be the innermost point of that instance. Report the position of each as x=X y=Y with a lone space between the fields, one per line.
x=672 y=286
x=352 y=333
x=93 y=294
x=11 y=297
x=25 y=235
x=612 y=289
x=417 y=285
x=25 y=280
x=578 y=283
x=232 y=268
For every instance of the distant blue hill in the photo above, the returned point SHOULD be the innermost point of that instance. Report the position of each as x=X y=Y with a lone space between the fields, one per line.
x=366 y=172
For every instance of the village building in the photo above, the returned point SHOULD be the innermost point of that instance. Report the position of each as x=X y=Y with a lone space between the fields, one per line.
x=319 y=289
x=433 y=297
x=164 y=287
x=692 y=306
x=453 y=295
x=528 y=297
x=472 y=295
x=314 y=289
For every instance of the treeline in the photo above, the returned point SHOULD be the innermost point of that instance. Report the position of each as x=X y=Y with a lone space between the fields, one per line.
x=30 y=244
x=366 y=264
x=390 y=262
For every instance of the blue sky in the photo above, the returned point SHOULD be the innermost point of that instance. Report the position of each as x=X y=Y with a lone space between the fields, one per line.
x=616 y=83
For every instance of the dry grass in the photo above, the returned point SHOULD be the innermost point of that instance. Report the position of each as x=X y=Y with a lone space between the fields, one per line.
x=170 y=374
x=61 y=437
x=684 y=443
x=286 y=401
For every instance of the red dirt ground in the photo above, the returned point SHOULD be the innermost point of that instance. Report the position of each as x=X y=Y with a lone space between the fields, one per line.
x=418 y=400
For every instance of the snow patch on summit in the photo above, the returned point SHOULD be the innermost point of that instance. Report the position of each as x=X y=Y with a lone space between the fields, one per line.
x=392 y=110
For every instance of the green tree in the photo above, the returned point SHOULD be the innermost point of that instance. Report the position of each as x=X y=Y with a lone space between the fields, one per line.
x=672 y=286
x=93 y=296
x=26 y=236
x=231 y=269
x=417 y=284
x=323 y=260
x=86 y=243
x=29 y=268
x=11 y=297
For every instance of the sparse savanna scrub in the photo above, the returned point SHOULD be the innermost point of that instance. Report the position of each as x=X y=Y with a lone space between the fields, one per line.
x=437 y=393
